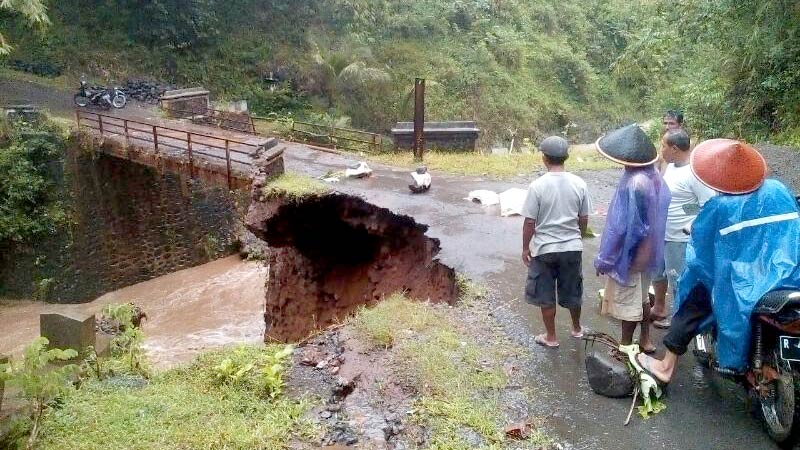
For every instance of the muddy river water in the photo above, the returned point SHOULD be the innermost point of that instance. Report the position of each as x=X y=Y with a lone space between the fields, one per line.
x=208 y=306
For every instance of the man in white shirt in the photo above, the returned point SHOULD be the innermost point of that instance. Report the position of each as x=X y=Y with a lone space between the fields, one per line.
x=556 y=214
x=688 y=196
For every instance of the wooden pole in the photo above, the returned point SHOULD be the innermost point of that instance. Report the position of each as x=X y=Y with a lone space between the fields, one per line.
x=191 y=159
x=100 y=123
x=78 y=118
x=419 y=119
x=228 y=161
x=155 y=139
x=127 y=139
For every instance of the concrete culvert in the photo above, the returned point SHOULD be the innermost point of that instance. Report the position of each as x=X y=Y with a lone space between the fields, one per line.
x=331 y=253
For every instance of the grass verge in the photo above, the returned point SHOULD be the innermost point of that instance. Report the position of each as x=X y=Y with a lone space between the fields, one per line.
x=294 y=187
x=458 y=376
x=496 y=166
x=61 y=82
x=217 y=402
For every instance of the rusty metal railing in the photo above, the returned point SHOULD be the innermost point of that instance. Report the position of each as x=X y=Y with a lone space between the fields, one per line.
x=189 y=144
x=228 y=120
x=324 y=135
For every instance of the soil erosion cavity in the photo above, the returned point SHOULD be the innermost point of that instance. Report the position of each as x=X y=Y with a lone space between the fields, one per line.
x=331 y=253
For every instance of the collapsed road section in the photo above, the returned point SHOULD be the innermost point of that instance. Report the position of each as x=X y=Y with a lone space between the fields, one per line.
x=332 y=253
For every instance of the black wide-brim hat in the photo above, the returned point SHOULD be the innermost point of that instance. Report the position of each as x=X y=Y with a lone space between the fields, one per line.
x=628 y=146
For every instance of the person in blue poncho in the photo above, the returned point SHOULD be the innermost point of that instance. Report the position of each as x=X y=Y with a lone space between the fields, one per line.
x=744 y=244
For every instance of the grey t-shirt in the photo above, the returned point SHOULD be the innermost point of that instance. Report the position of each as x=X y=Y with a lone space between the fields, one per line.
x=554 y=201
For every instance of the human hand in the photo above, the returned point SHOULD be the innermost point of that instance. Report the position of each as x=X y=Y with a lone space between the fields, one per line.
x=526 y=257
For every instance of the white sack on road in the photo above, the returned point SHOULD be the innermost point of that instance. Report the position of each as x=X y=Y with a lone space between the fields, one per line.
x=484 y=197
x=511 y=201
x=359 y=170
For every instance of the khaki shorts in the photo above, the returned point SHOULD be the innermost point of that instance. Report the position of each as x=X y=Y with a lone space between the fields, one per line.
x=626 y=302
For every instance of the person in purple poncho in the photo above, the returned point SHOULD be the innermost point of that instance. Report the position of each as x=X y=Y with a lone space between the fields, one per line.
x=632 y=244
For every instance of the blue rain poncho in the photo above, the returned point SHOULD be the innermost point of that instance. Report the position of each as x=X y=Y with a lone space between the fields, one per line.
x=633 y=239
x=742 y=247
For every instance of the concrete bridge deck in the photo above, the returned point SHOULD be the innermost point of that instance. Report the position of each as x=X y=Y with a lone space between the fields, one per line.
x=196 y=150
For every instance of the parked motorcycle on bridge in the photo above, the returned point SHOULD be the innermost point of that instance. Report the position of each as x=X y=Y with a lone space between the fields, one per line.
x=103 y=97
x=774 y=364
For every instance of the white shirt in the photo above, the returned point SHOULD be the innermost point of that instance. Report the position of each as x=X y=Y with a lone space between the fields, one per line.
x=688 y=196
x=554 y=201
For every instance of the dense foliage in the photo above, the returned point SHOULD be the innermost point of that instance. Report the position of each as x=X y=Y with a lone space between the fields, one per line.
x=30 y=204
x=517 y=66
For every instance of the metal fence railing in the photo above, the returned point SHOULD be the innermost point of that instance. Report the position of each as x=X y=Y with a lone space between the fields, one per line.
x=189 y=144
x=222 y=119
x=321 y=135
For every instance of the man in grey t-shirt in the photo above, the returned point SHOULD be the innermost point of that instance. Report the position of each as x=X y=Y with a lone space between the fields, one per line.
x=556 y=214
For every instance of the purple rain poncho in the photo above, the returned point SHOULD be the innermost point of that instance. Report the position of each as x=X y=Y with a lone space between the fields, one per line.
x=633 y=240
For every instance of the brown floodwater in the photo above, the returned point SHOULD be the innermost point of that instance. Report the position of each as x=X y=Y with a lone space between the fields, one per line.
x=205 y=307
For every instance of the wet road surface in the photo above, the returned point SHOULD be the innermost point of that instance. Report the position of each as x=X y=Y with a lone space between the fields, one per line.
x=189 y=311
x=703 y=412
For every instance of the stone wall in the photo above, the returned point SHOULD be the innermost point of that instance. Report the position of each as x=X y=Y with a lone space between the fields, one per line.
x=130 y=224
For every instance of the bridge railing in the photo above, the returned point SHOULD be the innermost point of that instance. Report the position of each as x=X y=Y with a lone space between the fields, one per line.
x=322 y=135
x=235 y=121
x=164 y=139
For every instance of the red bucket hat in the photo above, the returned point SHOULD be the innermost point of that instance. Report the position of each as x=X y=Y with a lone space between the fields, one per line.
x=729 y=166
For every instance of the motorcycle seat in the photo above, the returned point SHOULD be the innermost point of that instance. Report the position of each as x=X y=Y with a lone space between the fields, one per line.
x=775 y=301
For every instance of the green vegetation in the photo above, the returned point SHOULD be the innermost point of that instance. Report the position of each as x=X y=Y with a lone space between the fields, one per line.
x=33 y=12
x=182 y=408
x=458 y=376
x=30 y=206
x=495 y=166
x=534 y=67
x=469 y=291
x=517 y=66
x=293 y=187
x=40 y=383
x=730 y=65
x=230 y=398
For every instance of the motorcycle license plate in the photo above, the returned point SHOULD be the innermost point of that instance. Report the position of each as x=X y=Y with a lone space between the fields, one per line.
x=700 y=343
x=790 y=348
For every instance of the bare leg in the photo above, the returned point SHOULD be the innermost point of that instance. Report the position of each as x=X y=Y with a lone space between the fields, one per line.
x=645 y=343
x=575 y=314
x=663 y=369
x=627 y=332
x=549 y=319
x=660 y=303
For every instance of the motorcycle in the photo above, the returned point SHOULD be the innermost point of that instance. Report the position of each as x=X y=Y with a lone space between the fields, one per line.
x=104 y=98
x=774 y=364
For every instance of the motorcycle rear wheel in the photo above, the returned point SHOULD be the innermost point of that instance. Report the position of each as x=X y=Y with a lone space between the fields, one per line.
x=779 y=410
x=81 y=100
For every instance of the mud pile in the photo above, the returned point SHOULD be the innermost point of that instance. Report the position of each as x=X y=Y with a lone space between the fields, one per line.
x=331 y=254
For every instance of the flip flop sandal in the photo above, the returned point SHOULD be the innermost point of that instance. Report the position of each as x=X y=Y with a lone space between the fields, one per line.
x=540 y=339
x=662 y=324
x=579 y=335
x=649 y=351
